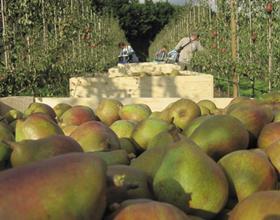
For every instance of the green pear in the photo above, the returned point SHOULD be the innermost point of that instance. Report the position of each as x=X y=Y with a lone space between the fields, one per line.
x=129 y=176
x=13 y=115
x=192 y=181
x=5 y=153
x=60 y=108
x=108 y=110
x=40 y=108
x=147 y=129
x=123 y=128
x=128 y=145
x=135 y=112
x=114 y=157
x=6 y=132
x=220 y=135
x=150 y=160
x=182 y=112
x=211 y=106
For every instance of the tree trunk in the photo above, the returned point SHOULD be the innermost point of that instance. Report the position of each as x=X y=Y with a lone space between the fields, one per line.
x=233 y=6
x=44 y=26
x=55 y=27
x=252 y=77
x=28 y=47
x=4 y=34
x=269 y=52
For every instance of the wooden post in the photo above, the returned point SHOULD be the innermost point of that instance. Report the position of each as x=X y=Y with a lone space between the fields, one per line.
x=233 y=7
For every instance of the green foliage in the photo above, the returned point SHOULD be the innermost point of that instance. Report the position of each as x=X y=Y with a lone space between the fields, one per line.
x=214 y=28
x=140 y=22
x=47 y=42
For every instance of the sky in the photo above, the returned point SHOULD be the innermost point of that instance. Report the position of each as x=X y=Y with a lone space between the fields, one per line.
x=180 y=2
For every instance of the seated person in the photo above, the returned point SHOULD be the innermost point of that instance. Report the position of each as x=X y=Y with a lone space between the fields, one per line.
x=161 y=54
x=127 y=54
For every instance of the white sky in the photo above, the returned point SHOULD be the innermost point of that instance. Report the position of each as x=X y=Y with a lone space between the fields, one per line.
x=180 y=2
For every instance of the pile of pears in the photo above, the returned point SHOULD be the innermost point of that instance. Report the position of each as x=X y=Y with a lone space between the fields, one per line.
x=190 y=161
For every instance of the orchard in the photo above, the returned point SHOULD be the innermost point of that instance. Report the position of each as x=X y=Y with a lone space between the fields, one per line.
x=257 y=39
x=109 y=157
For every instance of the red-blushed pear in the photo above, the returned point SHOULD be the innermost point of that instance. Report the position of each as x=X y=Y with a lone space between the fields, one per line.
x=263 y=205
x=36 y=126
x=148 y=210
x=241 y=100
x=40 y=108
x=269 y=134
x=135 y=112
x=270 y=98
x=268 y=109
x=95 y=136
x=253 y=117
x=194 y=125
x=70 y=186
x=191 y=180
x=220 y=135
x=248 y=172
x=60 y=108
x=28 y=151
x=108 y=111
x=273 y=152
x=77 y=115
x=116 y=207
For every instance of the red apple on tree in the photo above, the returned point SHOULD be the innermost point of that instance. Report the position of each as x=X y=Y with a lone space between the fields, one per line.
x=269 y=7
x=254 y=37
x=214 y=34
